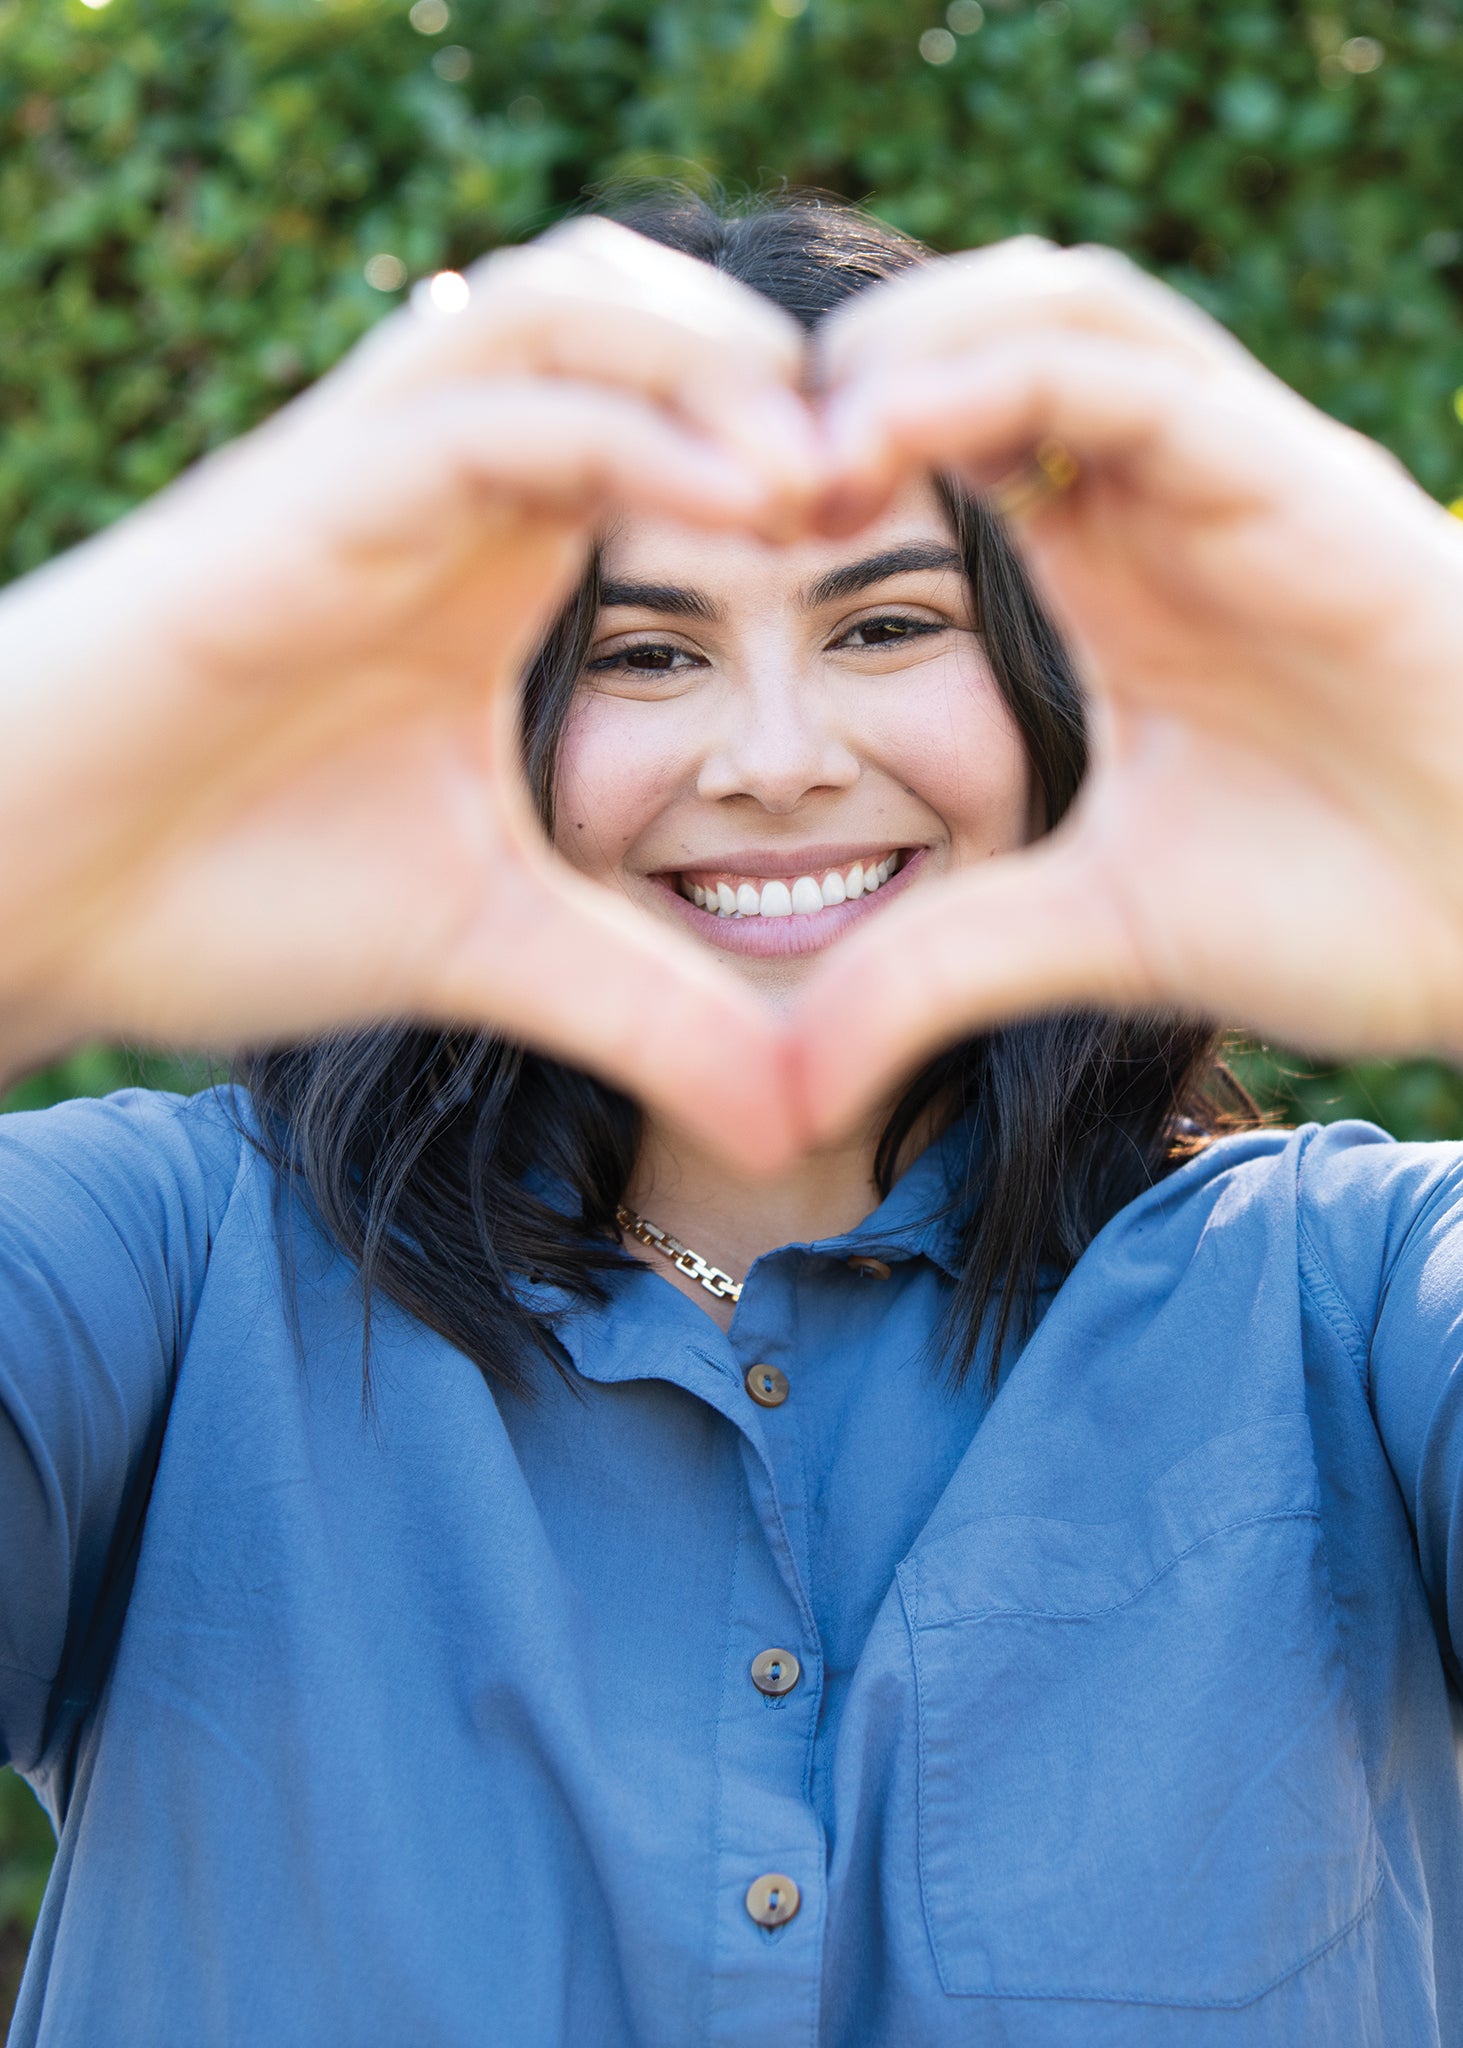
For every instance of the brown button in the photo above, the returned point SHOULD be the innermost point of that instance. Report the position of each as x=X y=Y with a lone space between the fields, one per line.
x=872 y=1269
x=773 y=1900
x=766 y=1385
x=776 y=1672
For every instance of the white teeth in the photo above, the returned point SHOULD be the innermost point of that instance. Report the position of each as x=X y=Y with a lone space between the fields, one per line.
x=803 y=898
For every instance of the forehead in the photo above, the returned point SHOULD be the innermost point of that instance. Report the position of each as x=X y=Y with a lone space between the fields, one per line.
x=733 y=565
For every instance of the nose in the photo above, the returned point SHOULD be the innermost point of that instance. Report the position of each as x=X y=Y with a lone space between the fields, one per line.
x=780 y=745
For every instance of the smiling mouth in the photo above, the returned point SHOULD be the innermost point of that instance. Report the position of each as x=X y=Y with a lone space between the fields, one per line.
x=728 y=895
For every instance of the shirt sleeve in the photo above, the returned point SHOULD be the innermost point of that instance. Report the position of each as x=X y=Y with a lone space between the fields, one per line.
x=1384 y=1223
x=107 y=1211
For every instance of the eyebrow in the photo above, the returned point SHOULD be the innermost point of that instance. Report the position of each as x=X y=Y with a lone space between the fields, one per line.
x=667 y=598
x=671 y=600
x=856 y=576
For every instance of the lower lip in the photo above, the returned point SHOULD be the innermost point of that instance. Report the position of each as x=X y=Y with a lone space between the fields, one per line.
x=781 y=938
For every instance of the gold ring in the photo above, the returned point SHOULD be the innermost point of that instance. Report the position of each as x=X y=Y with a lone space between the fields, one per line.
x=1047 y=473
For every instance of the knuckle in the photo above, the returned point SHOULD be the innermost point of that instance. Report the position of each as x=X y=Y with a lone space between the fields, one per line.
x=514 y=287
x=976 y=269
x=544 y=268
x=1103 y=276
x=507 y=266
x=1029 y=245
x=585 y=234
x=1099 y=260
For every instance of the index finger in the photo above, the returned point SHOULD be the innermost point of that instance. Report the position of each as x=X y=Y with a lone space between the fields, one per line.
x=1022 y=285
x=595 y=302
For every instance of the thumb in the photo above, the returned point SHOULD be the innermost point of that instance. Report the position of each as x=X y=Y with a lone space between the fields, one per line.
x=573 y=971
x=1032 y=931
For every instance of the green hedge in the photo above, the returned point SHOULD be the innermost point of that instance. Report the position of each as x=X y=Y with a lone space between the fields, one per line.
x=190 y=189
x=191 y=192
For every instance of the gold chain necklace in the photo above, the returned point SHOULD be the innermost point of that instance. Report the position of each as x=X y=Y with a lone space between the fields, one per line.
x=681 y=1256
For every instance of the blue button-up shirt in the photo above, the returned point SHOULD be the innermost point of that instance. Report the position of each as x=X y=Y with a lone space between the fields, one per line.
x=1127 y=1700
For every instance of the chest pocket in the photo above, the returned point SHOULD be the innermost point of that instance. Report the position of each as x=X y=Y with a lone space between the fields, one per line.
x=1138 y=1774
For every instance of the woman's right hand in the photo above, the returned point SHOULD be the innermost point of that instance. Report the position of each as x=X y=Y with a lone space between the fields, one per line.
x=259 y=764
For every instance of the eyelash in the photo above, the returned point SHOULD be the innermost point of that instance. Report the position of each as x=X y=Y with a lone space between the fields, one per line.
x=909 y=629
x=606 y=664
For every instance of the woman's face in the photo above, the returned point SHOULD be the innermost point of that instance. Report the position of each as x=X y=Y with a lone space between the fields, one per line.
x=768 y=745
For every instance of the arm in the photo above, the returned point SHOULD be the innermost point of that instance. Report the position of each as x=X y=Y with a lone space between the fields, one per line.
x=1415 y=1379
x=1381 y=1257
x=107 y=1210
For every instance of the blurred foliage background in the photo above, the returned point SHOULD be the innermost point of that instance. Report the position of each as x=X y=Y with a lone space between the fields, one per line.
x=203 y=202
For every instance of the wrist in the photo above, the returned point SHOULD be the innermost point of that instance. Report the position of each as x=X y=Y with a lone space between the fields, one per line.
x=32 y=1035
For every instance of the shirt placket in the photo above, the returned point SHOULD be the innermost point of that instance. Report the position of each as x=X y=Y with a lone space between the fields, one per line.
x=771 y=1854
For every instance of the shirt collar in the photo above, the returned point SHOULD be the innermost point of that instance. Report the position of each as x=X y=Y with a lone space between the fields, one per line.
x=923 y=1214
x=920 y=1217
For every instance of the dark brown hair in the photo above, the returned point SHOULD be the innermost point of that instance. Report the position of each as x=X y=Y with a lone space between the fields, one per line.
x=451 y=1164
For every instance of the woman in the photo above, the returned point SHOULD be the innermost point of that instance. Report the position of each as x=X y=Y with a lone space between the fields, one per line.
x=999 y=1589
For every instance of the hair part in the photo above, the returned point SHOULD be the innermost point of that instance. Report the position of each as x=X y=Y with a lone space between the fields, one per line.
x=452 y=1165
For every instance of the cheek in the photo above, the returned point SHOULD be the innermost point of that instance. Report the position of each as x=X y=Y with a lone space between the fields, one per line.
x=957 y=747
x=618 y=767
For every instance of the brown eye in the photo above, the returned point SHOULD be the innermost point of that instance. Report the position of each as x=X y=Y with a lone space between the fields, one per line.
x=888 y=632
x=653 y=658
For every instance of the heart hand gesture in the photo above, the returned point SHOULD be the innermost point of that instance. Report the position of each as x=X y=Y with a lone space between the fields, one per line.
x=259 y=768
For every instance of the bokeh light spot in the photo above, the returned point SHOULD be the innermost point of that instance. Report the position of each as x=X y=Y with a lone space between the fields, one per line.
x=454 y=63
x=429 y=17
x=965 y=16
x=1361 y=53
x=937 y=46
x=385 y=272
x=448 y=292
x=789 y=9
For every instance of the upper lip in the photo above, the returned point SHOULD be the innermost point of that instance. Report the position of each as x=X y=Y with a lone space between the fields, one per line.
x=771 y=864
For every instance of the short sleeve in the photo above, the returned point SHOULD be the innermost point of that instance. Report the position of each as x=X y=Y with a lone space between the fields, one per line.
x=1385 y=1223
x=107 y=1212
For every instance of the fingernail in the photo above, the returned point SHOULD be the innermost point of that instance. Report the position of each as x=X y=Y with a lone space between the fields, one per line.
x=729 y=484
x=778 y=433
x=782 y=523
x=859 y=470
x=843 y=512
x=848 y=428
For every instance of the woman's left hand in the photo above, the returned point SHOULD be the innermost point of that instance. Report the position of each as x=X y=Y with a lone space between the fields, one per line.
x=1268 y=615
